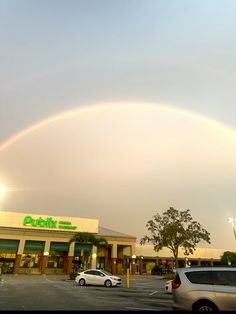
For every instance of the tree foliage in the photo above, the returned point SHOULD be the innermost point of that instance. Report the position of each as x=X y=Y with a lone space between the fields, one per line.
x=175 y=229
x=88 y=238
x=228 y=257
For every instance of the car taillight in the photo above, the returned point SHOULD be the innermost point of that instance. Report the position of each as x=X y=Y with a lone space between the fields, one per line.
x=175 y=285
x=176 y=282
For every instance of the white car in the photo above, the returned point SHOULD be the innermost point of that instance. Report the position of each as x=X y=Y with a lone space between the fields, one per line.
x=97 y=277
x=168 y=286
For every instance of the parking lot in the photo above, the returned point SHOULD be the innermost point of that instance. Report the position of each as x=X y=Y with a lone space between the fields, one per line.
x=56 y=292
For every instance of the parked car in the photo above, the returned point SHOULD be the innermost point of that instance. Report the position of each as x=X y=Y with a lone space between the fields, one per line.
x=168 y=286
x=97 y=277
x=205 y=289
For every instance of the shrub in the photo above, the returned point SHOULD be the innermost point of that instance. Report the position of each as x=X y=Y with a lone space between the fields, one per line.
x=169 y=276
x=72 y=275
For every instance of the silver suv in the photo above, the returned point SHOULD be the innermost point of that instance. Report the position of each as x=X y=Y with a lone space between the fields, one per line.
x=204 y=289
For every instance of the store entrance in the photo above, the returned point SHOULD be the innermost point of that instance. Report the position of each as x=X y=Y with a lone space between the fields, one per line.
x=7 y=261
x=8 y=249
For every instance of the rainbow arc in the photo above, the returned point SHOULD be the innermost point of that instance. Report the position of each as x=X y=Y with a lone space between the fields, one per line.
x=112 y=106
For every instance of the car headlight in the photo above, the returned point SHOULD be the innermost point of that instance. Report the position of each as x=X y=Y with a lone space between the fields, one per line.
x=114 y=278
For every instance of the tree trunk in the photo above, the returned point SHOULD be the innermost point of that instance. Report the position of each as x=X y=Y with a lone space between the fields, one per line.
x=176 y=260
x=176 y=263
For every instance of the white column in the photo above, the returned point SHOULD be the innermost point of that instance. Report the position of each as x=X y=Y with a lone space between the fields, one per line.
x=114 y=250
x=21 y=247
x=94 y=257
x=46 y=247
x=133 y=258
x=71 y=249
x=133 y=250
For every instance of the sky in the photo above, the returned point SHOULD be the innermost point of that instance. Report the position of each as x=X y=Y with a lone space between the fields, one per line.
x=158 y=78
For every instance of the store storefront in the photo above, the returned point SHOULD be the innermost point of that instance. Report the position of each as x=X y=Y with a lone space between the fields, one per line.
x=40 y=244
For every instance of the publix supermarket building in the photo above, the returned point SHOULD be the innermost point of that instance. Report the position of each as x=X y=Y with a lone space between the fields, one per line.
x=39 y=244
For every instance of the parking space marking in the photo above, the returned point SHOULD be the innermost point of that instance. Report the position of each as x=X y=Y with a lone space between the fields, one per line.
x=48 y=280
x=154 y=292
x=139 y=308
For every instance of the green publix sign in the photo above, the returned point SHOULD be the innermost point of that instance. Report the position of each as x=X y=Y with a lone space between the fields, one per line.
x=47 y=223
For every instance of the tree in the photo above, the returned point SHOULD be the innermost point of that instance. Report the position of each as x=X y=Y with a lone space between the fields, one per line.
x=87 y=238
x=228 y=258
x=175 y=229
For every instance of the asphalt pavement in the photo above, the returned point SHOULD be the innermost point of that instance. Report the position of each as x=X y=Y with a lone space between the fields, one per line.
x=57 y=292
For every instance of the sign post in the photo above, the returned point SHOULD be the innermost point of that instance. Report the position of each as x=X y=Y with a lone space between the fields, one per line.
x=127 y=272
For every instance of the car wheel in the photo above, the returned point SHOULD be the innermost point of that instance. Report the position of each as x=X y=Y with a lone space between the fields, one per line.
x=205 y=306
x=108 y=283
x=82 y=282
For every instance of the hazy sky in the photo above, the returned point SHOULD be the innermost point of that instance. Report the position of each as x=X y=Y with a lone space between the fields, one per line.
x=120 y=166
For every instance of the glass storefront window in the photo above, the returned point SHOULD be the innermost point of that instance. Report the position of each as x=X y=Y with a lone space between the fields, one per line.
x=7 y=260
x=55 y=260
x=30 y=260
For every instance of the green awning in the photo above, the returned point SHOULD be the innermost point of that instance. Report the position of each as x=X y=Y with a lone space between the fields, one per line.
x=34 y=245
x=9 y=244
x=86 y=247
x=59 y=246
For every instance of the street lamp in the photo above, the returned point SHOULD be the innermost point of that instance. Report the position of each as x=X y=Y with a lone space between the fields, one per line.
x=232 y=220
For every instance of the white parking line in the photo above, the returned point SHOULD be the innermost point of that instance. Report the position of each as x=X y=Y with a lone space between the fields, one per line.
x=48 y=280
x=139 y=308
x=153 y=292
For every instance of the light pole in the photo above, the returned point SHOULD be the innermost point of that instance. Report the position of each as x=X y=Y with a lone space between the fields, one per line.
x=232 y=220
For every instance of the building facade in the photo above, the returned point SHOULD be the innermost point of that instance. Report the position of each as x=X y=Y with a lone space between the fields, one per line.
x=40 y=244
